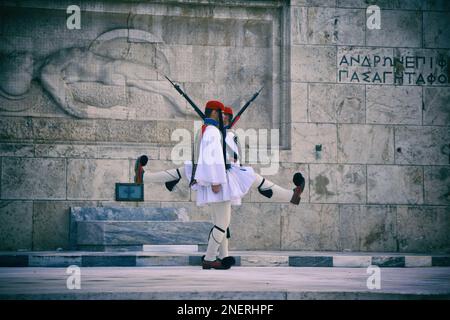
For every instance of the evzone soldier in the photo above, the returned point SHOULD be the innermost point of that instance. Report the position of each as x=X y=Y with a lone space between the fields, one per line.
x=208 y=177
x=217 y=183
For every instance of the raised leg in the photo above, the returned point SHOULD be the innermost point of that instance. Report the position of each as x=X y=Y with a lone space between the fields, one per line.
x=270 y=190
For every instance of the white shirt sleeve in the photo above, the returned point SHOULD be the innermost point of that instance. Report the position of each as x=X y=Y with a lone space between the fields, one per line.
x=211 y=166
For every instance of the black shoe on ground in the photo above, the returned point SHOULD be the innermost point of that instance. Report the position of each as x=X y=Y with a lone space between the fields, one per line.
x=216 y=264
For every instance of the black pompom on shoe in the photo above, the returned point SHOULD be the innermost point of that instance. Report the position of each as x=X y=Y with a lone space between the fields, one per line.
x=141 y=162
x=228 y=262
x=299 y=182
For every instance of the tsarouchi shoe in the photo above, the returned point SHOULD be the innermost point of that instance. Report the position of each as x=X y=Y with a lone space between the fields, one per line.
x=139 y=169
x=216 y=264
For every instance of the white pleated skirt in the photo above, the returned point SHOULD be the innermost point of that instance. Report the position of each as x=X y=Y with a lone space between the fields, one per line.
x=240 y=180
x=204 y=194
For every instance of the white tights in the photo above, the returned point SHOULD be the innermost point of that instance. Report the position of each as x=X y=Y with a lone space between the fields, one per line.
x=218 y=241
x=218 y=236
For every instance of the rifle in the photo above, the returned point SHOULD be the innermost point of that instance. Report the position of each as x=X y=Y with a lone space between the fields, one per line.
x=224 y=133
x=202 y=115
x=196 y=109
x=238 y=115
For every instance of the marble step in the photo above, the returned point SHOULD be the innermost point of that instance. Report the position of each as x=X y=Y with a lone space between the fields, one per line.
x=171 y=248
x=78 y=214
x=134 y=233
x=128 y=214
x=108 y=248
x=243 y=259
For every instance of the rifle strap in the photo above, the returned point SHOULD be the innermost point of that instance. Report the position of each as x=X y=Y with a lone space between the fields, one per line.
x=236 y=155
x=238 y=144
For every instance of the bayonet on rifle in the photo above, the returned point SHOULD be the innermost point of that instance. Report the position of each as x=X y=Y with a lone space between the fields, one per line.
x=194 y=106
x=238 y=115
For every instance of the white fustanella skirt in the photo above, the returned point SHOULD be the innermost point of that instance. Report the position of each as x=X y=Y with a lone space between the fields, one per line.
x=240 y=180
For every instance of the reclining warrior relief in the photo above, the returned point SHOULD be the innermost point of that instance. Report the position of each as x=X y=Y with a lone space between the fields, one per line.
x=74 y=65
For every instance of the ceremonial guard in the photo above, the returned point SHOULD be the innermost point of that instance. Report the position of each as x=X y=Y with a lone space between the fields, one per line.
x=208 y=177
x=217 y=176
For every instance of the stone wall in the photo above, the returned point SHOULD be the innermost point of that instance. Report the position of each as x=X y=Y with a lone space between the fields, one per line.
x=381 y=183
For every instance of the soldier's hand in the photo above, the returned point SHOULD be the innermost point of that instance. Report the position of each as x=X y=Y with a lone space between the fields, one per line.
x=215 y=188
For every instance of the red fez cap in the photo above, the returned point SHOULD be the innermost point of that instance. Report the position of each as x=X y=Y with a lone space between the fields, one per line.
x=228 y=110
x=215 y=105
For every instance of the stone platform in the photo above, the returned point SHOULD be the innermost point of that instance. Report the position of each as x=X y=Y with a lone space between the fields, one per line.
x=175 y=283
x=190 y=257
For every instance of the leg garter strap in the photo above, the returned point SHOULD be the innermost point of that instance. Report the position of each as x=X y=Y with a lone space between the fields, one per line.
x=171 y=184
x=268 y=193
